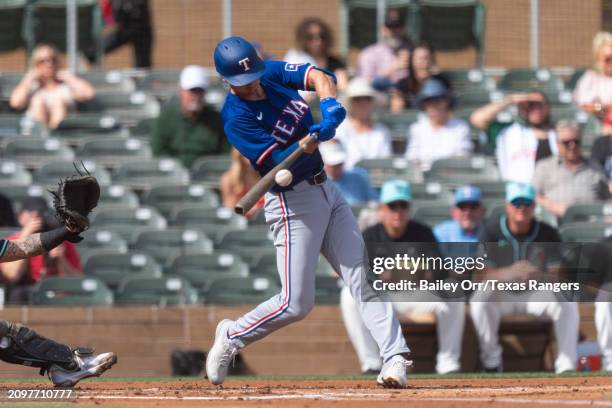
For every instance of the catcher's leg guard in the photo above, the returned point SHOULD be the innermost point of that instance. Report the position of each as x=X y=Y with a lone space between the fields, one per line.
x=21 y=345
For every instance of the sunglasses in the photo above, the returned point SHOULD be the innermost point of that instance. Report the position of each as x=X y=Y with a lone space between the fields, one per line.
x=398 y=205
x=568 y=143
x=468 y=205
x=521 y=202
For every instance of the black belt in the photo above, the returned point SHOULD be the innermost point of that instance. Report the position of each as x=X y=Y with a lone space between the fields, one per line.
x=317 y=179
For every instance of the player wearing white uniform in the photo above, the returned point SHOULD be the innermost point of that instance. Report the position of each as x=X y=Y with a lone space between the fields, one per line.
x=265 y=118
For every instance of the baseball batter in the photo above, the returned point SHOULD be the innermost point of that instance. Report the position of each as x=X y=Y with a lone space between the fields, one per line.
x=265 y=118
x=21 y=345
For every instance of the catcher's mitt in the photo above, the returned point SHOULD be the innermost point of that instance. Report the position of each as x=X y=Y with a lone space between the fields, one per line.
x=74 y=199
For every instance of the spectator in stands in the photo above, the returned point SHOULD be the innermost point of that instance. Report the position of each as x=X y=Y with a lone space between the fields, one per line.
x=314 y=41
x=7 y=215
x=186 y=127
x=438 y=135
x=467 y=214
x=237 y=180
x=362 y=137
x=130 y=22
x=396 y=226
x=569 y=178
x=383 y=64
x=47 y=92
x=19 y=276
x=519 y=144
x=353 y=184
x=421 y=67
x=538 y=259
x=594 y=88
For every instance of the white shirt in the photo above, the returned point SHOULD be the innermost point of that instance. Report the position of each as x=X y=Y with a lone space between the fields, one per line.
x=593 y=86
x=372 y=144
x=516 y=148
x=426 y=144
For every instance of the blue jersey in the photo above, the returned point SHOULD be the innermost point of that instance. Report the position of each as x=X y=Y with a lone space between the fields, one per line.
x=267 y=131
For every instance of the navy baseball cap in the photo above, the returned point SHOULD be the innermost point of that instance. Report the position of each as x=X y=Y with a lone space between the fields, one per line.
x=465 y=194
x=237 y=61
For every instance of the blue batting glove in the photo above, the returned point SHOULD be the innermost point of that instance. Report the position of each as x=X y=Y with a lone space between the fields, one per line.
x=324 y=129
x=332 y=111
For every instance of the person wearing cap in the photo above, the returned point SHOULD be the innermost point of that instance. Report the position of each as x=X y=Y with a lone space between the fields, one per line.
x=353 y=184
x=520 y=248
x=187 y=127
x=518 y=144
x=360 y=135
x=19 y=276
x=438 y=134
x=396 y=226
x=384 y=63
x=569 y=178
x=467 y=214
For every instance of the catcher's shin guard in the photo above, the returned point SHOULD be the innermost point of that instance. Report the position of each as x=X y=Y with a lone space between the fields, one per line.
x=21 y=345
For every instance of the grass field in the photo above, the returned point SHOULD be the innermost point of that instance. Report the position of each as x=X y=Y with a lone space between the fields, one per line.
x=460 y=390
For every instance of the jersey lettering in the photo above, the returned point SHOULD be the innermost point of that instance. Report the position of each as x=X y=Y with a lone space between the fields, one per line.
x=244 y=63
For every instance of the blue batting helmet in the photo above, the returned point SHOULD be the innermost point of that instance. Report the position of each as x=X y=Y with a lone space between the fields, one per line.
x=237 y=61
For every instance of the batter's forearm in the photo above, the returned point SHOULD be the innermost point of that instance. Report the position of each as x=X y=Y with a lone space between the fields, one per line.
x=323 y=84
x=22 y=248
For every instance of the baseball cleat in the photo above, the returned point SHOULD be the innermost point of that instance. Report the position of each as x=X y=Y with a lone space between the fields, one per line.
x=88 y=365
x=222 y=352
x=393 y=373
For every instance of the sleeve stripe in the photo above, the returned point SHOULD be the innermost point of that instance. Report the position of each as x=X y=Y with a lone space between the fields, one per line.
x=306 y=76
x=3 y=245
x=266 y=153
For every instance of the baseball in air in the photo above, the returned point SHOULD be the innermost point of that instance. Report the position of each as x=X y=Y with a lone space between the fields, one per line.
x=283 y=178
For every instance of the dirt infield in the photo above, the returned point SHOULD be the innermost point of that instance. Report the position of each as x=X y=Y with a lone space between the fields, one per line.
x=430 y=392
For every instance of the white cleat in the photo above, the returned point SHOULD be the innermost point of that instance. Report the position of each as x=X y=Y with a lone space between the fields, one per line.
x=88 y=366
x=393 y=373
x=220 y=355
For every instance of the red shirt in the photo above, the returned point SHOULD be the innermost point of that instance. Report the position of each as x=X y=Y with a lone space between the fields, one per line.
x=37 y=263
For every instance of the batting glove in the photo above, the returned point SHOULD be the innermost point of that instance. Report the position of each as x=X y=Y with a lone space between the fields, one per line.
x=332 y=111
x=325 y=131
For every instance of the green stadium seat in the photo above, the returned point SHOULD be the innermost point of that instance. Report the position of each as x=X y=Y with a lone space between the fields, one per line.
x=113 y=267
x=528 y=79
x=50 y=173
x=491 y=190
x=71 y=291
x=398 y=123
x=12 y=15
x=8 y=231
x=250 y=254
x=111 y=152
x=127 y=107
x=19 y=193
x=266 y=265
x=143 y=129
x=431 y=192
x=160 y=82
x=456 y=171
x=34 y=152
x=327 y=290
x=380 y=170
x=13 y=173
x=162 y=291
x=596 y=212
x=10 y=124
x=118 y=195
x=169 y=198
x=102 y=239
x=109 y=81
x=128 y=217
x=324 y=268
x=169 y=243
x=208 y=169
x=81 y=122
x=432 y=214
x=585 y=231
x=202 y=269
x=143 y=175
x=573 y=79
x=252 y=289
x=256 y=236
x=209 y=220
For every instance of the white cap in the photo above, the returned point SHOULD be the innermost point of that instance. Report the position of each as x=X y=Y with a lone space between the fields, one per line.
x=194 y=76
x=359 y=87
x=332 y=153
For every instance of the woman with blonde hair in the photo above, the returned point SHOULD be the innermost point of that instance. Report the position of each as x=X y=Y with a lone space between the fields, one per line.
x=237 y=180
x=47 y=92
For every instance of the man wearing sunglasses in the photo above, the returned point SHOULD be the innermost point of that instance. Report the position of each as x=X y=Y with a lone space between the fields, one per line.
x=467 y=214
x=519 y=248
x=569 y=178
x=396 y=227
